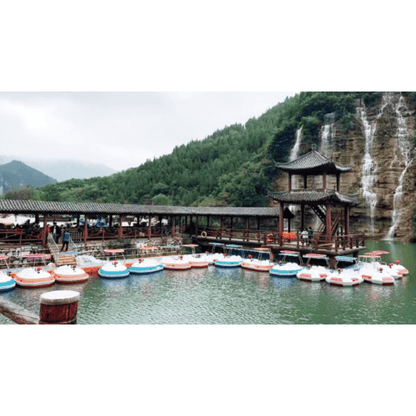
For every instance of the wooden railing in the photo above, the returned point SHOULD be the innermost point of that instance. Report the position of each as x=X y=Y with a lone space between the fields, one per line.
x=318 y=241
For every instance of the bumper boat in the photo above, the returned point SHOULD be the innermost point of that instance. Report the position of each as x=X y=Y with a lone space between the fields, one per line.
x=6 y=282
x=145 y=266
x=34 y=278
x=286 y=268
x=229 y=261
x=257 y=265
x=346 y=277
x=371 y=271
x=314 y=272
x=178 y=263
x=70 y=274
x=113 y=270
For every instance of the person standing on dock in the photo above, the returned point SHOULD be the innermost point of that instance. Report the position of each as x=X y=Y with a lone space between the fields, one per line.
x=310 y=235
x=65 y=240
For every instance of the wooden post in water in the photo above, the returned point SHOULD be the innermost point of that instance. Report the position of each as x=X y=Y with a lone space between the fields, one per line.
x=56 y=307
x=59 y=307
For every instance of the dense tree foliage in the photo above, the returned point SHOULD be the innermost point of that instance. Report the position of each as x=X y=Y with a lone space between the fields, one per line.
x=234 y=166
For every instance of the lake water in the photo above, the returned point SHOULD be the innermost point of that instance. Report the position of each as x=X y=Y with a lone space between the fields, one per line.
x=238 y=296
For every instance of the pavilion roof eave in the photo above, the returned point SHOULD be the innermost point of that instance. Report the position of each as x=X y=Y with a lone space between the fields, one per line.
x=312 y=163
x=314 y=197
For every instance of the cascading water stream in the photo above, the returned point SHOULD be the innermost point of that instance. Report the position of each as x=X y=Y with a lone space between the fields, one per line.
x=369 y=166
x=405 y=148
x=294 y=154
x=327 y=133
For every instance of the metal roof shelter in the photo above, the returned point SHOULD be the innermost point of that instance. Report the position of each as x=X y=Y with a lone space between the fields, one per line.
x=10 y=206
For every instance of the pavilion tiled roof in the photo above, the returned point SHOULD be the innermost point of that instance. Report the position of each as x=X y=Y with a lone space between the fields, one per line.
x=312 y=163
x=314 y=197
x=10 y=206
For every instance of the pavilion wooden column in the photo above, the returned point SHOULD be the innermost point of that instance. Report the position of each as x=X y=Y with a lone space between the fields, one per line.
x=289 y=182
x=149 y=227
x=302 y=217
x=196 y=225
x=324 y=181
x=77 y=220
x=173 y=225
x=338 y=182
x=347 y=219
x=221 y=226
x=85 y=228
x=160 y=225
x=305 y=181
x=328 y=222
x=45 y=231
x=120 y=230
x=111 y=221
x=281 y=209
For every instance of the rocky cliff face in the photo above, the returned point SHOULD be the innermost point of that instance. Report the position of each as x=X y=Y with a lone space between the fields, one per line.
x=380 y=150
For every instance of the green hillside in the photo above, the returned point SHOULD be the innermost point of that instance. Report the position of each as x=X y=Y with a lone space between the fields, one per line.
x=234 y=166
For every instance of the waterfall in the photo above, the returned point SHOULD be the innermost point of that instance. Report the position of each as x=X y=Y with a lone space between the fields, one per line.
x=294 y=154
x=405 y=148
x=327 y=133
x=369 y=165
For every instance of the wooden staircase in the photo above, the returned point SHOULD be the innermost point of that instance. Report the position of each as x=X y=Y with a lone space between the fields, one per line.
x=337 y=221
x=60 y=259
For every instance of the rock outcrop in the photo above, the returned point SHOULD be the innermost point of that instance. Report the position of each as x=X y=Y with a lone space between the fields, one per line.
x=391 y=186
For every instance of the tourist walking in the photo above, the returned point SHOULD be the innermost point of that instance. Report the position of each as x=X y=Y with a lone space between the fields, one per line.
x=65 y=240
x=54 y=231
x=304 y=235
x=310 y=235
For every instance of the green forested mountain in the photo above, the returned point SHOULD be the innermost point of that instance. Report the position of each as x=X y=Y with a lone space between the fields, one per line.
x=15 y=174
x=234 y=166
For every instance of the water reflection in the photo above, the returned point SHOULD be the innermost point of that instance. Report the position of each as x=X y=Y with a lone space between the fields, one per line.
x=237 y=296
x=281 y=282
x=114 y=284
x=228 y=272
x=376 y=293
x=138 y=279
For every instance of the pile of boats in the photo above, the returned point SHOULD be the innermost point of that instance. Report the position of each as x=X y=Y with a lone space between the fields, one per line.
x=349 y=271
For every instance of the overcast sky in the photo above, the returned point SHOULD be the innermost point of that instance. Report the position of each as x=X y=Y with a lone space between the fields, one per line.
x=119 y=129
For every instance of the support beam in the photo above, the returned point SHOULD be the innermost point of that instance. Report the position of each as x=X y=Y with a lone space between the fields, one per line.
x=45 y=231
x=302 y=217
x=85 y=229
x=281 y=209
x=149 y=227
x=338 y=182
x=305 y=181
x=120 y=230
x=173 y=225
x=290 y=183
x=347 y=219
x=328 y=222
x=324 y=181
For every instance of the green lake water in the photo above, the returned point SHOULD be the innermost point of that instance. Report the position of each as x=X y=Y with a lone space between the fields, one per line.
x=237 y=296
